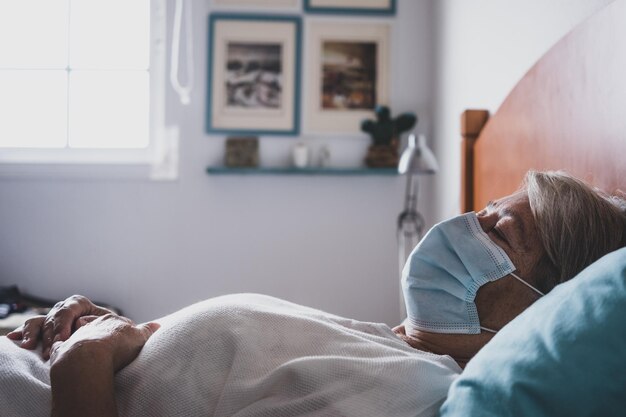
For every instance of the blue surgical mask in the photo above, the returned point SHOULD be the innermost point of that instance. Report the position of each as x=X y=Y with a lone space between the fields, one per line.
x=444 y=272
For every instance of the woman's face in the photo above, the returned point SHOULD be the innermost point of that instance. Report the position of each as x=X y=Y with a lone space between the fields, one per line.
x=510 y=224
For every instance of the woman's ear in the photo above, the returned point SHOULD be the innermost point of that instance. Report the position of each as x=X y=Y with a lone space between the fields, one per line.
x=546 y=275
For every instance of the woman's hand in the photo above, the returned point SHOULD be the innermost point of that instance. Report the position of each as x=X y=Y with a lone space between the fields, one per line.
x=108 y=339
x=82 y=367
x=57 y=325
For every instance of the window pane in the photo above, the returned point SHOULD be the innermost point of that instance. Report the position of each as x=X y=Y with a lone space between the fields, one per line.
x=33 y=109
x=110 y=34
x=109 y=109
x=33 y=33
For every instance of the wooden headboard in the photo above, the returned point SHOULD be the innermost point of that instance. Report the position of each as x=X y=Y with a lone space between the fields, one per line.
x=567 y=113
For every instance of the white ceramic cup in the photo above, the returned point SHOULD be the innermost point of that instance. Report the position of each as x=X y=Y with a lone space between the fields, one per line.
x=300 y=154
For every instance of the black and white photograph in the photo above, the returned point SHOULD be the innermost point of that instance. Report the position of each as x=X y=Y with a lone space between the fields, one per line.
x=253 y=75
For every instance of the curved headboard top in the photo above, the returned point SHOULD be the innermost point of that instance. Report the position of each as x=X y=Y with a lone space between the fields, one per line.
x=567 y=113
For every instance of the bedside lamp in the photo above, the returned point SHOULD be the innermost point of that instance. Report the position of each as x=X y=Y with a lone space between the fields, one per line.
x=417 y=159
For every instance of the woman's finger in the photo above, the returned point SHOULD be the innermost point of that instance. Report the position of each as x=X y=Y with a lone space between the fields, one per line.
x=54 y=347
x=63 y=319
x=30 y=336
x=18 y=334
x=148 y=329
x=28 y=333
x=47 y=336
x=15 y=334
x=82 y=321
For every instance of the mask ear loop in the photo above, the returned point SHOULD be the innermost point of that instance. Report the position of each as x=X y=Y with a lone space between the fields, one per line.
x=527 y=284
x=523 y=282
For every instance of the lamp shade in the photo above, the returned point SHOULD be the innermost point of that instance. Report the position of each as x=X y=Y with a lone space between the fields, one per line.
x=417 y=158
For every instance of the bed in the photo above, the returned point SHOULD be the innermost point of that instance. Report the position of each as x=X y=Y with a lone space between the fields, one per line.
x=564 y=356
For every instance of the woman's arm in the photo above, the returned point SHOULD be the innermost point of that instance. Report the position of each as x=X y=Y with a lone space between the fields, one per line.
x=82 y=368
x=82 y=385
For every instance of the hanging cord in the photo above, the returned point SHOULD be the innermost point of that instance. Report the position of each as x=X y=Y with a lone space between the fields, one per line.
x=183 y=91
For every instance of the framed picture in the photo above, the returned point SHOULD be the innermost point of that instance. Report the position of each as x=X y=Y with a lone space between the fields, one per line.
x=253 y=74
x=372 y=7
x=259 y=3
x=348 y=74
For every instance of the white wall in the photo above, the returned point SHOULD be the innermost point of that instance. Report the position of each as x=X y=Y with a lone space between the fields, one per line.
x=152 y=247
x=484 y=47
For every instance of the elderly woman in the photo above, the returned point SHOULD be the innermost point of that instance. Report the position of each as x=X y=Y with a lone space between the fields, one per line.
x=468 y=277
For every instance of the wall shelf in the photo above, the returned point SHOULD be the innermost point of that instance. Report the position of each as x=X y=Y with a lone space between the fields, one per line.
x=302 y=171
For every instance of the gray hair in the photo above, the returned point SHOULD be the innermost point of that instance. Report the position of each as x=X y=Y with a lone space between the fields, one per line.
x=577 y=223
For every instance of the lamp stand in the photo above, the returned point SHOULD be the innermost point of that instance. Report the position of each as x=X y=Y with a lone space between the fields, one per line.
x=410 y=228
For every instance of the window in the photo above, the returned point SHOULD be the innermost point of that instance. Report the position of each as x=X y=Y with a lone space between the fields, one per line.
x=81 y=81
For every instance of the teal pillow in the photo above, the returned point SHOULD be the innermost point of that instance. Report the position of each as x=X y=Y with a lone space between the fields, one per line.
x=564 y=356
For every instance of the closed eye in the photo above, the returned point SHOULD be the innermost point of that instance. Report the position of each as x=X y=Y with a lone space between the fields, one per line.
x=500 y=235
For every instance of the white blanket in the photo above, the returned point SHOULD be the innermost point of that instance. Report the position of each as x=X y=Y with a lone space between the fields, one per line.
x=252 y=355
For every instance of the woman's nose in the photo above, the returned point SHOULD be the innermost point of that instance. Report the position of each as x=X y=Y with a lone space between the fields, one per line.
x=487 y=220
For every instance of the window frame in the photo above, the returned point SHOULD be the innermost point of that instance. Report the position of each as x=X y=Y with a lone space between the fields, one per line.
x=157 y=161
